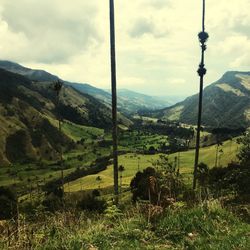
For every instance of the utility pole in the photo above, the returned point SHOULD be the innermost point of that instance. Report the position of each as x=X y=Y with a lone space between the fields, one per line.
x=203 y=36
x=114 y=97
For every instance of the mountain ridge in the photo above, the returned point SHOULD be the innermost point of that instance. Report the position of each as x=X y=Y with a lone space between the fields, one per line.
x=129 y=102
x=226 y=102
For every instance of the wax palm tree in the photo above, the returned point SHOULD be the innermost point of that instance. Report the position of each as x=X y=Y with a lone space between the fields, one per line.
x=138 y=165
x=114 y=96
x=203 y=36
x=30 y=187
x=99 y=179
x=57 y=87
x=121 y=169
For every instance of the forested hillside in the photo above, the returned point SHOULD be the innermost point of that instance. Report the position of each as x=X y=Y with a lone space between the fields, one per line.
x=29 y=115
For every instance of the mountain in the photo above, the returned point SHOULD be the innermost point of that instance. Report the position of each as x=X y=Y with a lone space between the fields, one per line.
x=226 y=103
x=34 y=75
x=132 y=101
x=99 y=94
x=128 y=101
x=28 y=116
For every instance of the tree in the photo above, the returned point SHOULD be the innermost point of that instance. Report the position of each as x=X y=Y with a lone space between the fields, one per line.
x=156 y=187
x=114 y=96
x=203 y=36
x=57 y=87
x=244 y=154
x=30 y=186
x=99 y=179
x=8 y=204
x=140 y=185
x=218 y=144
x=151 y=150
x=138 y=165
x=121 y=169
x=236 y=176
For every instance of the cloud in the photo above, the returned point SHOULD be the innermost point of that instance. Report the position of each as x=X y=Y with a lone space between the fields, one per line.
x=54 y=32
x=142 y=27
x=158 y=4
x=157 y=43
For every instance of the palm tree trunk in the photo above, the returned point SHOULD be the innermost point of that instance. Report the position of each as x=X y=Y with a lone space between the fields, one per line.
x=61 y=159
x=61 y=150
x=216 y=155
x=201 y=71
x=114 y=97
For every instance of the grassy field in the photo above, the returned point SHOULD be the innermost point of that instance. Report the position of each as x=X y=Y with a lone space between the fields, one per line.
x=22 y=175
x=136 y=141
x=89 y=148
x=133 y=163
x=77 y=132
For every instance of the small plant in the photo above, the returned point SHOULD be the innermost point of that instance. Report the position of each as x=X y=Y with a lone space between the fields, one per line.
x=113 y=212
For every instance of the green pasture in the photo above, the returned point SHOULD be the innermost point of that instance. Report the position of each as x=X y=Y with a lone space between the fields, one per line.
x=133 y=162
x=77 y=132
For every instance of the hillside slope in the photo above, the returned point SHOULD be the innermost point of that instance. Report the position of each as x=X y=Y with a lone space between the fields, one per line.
x=28 y=117
x=226 y=103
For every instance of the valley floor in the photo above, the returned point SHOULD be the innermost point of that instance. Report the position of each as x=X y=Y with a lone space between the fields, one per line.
x=133 y=162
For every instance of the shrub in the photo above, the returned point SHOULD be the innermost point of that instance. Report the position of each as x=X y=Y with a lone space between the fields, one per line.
x=235 y=177
x=156 y=187
x=112 y=212
x=8 y=204
x=92 y=203
x=96 y=193
x=52 y=203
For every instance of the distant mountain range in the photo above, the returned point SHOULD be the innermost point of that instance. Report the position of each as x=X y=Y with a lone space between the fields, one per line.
x=129 y=102
x=132 y=102
x=226 y=103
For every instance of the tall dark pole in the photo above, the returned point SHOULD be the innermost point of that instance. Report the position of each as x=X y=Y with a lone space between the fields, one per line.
x=57 y=88
x=203 y=36
x=114 y=96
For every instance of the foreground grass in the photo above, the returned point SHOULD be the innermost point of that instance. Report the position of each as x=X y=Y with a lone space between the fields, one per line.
x=205 y=227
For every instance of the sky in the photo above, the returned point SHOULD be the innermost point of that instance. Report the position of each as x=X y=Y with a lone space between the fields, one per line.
x=158 y=51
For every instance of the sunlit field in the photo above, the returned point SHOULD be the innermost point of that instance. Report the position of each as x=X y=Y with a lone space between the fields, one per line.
x=134 y=162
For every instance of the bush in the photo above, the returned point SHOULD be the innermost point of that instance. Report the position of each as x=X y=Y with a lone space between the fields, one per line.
x=235 y=177
x=8 y=204
x=52 y=203
x=96 y=193
x=92 y=203
x=157 y=188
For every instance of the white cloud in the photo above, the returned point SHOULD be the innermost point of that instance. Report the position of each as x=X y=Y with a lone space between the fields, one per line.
x=54 y=32
x=157 y=43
